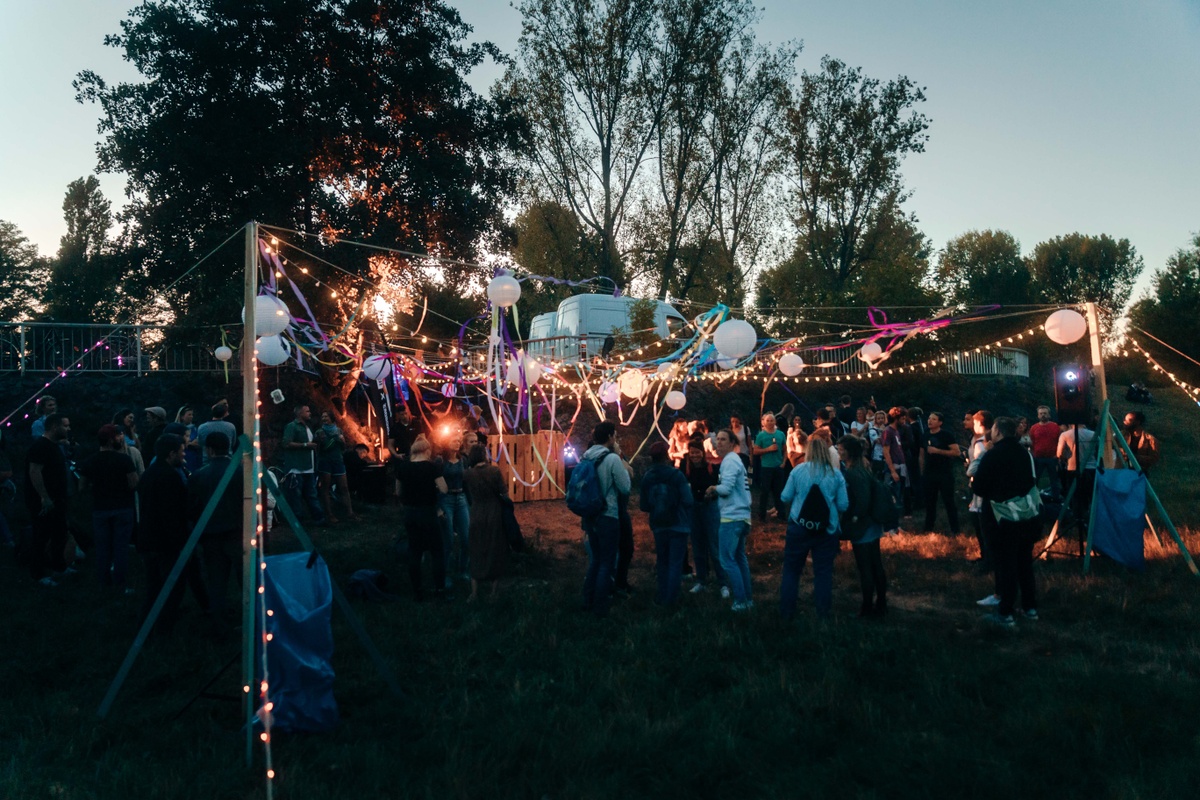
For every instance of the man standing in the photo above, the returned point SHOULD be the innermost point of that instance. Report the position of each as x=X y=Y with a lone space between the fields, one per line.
x=604 y=530
x=218 y=424
x=915 y=444
x=299 y=459
x=1044 y=435
x=46 y=499
x=221 y=538
x=733 y=500
x=939 y=458
x=770 y=445
x=46 y=405
x=1143 y=445
x=156 y=423
x=113 y=477
x=667 y=496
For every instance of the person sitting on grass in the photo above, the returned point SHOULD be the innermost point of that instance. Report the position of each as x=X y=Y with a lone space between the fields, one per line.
x=817 y=535
x=666 y=495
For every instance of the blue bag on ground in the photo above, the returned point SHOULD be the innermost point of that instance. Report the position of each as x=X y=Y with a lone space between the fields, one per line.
x=300 y=674
x=1121 y=516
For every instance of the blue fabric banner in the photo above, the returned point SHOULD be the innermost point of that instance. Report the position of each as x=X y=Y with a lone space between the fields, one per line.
x=1121 y=516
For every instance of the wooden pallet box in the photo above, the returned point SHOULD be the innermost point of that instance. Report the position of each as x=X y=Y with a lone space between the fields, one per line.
x=527 y=479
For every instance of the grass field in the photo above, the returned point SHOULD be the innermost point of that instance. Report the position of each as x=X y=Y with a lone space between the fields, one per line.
x=528 y=698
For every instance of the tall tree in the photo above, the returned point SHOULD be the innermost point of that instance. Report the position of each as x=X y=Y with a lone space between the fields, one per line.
x=347 y=118
x=1168 y=311
x=551 y=242
x=85 y=275
x=983 y=267
x=847 y=135
x=23 y=275
x=1077 y=268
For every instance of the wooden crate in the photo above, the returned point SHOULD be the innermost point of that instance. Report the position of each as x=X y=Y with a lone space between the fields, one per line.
x=519 y=459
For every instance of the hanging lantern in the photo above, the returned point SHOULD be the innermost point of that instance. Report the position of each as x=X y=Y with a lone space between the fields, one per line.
x=272 y=350
x=376 y=367
x=791 y=364
x=223 y=354
x=870 y=352
x=449 y=390
x=632 y=383
x=735 y=338
x=533 y=370
x=271 y=315
x=1066 y=326
x=504 y=290
x=608 y=393
x=675 y=400
x=727 y=363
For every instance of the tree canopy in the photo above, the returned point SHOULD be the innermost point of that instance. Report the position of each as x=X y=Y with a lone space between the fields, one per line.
x=1168 y=311
x=23 y=275
x=1076 y=268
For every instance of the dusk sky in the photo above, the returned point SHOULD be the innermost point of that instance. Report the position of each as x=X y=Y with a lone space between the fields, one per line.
x=1047 y=117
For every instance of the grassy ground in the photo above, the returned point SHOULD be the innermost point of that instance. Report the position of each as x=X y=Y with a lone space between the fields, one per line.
x=527 y=697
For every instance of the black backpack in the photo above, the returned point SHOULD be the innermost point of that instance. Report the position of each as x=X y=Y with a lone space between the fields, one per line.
x=883 y=506
x=662 y=504
x=814 y=512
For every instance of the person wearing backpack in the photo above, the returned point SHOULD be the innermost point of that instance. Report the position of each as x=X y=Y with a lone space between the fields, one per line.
x=667 y=496
x=732 y=494
x=860 y=526
x=593 y=493
x=817 y=494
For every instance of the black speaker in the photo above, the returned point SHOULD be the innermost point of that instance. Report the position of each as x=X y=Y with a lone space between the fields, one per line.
x=1072 y=386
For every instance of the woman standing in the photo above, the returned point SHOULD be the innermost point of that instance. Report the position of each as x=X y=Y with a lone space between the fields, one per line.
x=421 y=484
x=331 y=467
x=858 y=527
x=485 y=487
x=193 y=455
x=878 y=463
x=796 y=441
x=456 y=516
x=127 y=423
x=821 y=540
x=706 y=518
x=677 y=442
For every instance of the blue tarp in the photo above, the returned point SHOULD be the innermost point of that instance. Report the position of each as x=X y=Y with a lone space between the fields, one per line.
x=301 y=646
x=1121 y=516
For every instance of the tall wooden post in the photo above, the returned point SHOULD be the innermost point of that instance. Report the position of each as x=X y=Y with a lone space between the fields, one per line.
x=249 y=485
x=1098 y=367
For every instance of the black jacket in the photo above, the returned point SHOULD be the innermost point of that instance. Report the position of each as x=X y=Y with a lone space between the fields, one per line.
x=227 y=516
x=678 y=484
x=162 y=498
x=1005 y=471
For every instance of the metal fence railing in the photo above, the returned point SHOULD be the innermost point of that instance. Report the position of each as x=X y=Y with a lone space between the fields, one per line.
x=39 y=347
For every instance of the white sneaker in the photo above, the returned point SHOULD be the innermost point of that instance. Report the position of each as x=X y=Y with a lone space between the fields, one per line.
x=48 y=581
x=725 y=592
x=697 y=589
x=989 y=601
x=1030 y=614
x=739 y=607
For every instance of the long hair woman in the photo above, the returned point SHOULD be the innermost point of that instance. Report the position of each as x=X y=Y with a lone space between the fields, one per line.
x=817 y=536
x=858 y=527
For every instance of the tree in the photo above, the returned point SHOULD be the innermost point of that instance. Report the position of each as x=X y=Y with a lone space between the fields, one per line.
x=1076 y=268
x=846 y=137
x=1168 y=311
x=982 y=267
x=551 y=242
x=344 y=118
x=23 y=275
x=85 y=275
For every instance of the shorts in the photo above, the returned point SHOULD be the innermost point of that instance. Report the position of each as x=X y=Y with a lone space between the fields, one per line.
x=331 y=466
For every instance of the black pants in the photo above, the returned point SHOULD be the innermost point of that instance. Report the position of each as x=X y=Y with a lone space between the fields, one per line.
x=624 y=544
x=1014 y=564
x=48 y=543
x=222 y=554
x=871 y=576
x=770 y=486
x=424 y=536
x=158 y=567
x=991 y=530
x=934 y=485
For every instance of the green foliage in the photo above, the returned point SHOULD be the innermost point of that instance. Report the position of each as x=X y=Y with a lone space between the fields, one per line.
x=641 y=329
x=340 y=117
x=1076 y=268
x=550 y=241
x=23 y=275
x=983 y=267
x=85 y=277
x=1169 y=312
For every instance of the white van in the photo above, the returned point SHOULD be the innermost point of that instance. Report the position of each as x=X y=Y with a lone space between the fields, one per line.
x=583 y=323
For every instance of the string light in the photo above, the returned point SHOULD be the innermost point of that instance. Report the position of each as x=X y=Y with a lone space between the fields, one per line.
x=1192 y=391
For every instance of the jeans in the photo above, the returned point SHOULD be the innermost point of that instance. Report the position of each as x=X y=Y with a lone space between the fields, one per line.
x=1049 y=466
x=798 y=544
x=706 y=520
x=670 y=545
x=935 y=485
x=158 y=567
x=871 y=577
x=222 y=556
x=424 y=535
x=1014 y=564
x=602 y=535
x=625 y=542
x=49 y=541
x=732 y=538
x=304 y=483
x=770 y=486
x=455 y=523
x=114 y=531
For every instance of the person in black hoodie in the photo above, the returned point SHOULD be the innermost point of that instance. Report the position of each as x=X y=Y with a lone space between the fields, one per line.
x=706 y=517
x=221 y=539
x=1006 y=472
x=667 y=496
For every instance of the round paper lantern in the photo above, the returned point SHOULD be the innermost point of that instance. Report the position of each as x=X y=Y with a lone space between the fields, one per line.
x=870 y=351
x=376 y=367
x=271 y=315
x=223 y=353
x=449 y=390
x=1066 y=326
x=675 y=400
x=735 y=338
x=533 y=370
x=608 y=393
x=727 y=363
x=632 y=383
x=272 y=350
x=504 y=290
x=791 y=364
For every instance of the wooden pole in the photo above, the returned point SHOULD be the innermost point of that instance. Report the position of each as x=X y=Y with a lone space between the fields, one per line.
x=249 y=484
x=1098 y=367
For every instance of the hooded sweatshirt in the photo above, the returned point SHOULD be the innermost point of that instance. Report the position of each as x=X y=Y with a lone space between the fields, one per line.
x=614 y=478
x=733 y=496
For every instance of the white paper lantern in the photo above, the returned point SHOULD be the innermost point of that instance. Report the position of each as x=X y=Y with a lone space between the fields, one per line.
x=272 y=350
x=1066 y=326
x=632 y=383
x=376 y=367
x=665 y=370
x=449 y=390
x=504 y=290
x=791 y=364
x=608 y=393
x=727 y=363
x=271 y=316
x=735 y=338
x=870 y=352
x=675 y=400
x=223 y=353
